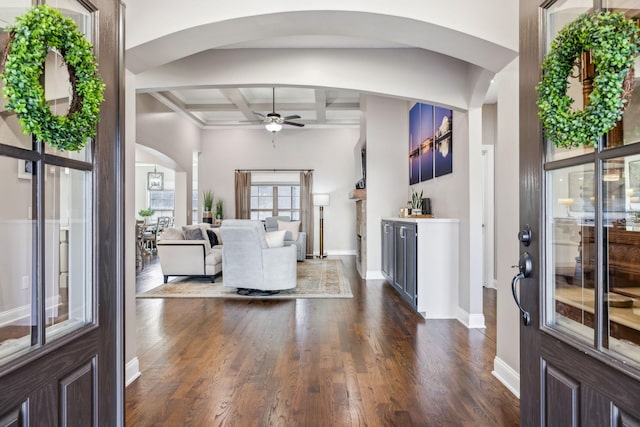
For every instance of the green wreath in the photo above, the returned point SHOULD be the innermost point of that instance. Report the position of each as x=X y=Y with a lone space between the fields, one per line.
x=35 y=32
x=612 y=40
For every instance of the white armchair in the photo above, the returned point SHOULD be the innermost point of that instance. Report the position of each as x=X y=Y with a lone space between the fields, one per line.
x=248 y=262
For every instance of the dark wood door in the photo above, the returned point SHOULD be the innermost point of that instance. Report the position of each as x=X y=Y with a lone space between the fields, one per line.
x=580 y=355
x=61 y=350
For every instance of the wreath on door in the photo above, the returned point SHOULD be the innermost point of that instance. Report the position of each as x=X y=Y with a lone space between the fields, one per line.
x=36 y=32
x=612 y=40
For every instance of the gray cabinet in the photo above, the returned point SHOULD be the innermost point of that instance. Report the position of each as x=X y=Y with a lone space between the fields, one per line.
x=399 y=258
x=420 y=261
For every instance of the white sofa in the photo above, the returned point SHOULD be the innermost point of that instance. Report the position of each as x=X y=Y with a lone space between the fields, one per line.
x=182 y=257
x=248 y=262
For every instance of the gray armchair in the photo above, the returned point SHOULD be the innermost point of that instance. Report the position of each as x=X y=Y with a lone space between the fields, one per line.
x=271 y=224
x=248 y=263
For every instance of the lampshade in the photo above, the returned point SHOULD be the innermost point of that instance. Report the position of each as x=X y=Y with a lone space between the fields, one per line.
x=321 y=200
x=273 y=127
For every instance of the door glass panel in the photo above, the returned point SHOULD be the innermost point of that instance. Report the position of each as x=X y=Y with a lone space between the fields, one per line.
x=10 y=129
x=570 y=253
x=57 y=86
x=16 y=281
x=68 y=244
x=621 y=194
x=559 y=15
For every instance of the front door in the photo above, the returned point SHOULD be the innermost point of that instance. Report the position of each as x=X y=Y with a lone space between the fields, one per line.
x=60 y=242
x=580 y=354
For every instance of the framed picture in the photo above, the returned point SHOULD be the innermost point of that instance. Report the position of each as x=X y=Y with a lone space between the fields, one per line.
x=443 y=141
x=25 y=169
x=155 y=181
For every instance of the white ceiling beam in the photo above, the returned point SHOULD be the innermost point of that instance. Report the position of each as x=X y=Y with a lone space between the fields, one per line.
x=342 y=106
x=237 y=98
x=321 y=105
x=170 y=101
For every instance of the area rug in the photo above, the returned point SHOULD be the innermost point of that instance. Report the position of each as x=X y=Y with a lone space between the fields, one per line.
x=316 y=279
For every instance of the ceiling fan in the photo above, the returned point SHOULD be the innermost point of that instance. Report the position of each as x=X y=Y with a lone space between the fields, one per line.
x=273 y=121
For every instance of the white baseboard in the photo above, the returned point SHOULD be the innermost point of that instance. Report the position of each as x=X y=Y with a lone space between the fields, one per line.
x=22 y=315
x=493 y=284
x=471 y=321
x=507 y=376
x=132 y=371
x=349 y=252
x=374 y=275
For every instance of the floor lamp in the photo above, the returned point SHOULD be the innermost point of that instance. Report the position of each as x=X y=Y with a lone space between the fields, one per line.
x=321 y=200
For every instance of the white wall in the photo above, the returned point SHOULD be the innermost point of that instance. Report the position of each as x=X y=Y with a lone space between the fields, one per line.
x=328 y=151
x=387 y=169
x=507 y=362
x=163 y=130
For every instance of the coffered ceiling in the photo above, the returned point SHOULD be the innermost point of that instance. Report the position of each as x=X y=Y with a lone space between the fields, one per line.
x=217 y=108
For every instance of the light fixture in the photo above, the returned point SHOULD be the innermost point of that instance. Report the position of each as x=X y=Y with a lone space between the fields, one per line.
x=273 y=127
x=155 y=180
x=568 y=202
x=321 y=200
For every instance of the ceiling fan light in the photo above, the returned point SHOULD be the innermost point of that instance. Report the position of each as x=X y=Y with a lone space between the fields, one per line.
x=273 y=127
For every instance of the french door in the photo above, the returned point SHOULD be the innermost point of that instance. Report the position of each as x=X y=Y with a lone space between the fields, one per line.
x=61 y=225
x=580 y=353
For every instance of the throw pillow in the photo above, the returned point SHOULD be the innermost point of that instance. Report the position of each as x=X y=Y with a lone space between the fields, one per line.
x=213 y=238
x=172 y=234
x=291 y=226
x=275 y=239
x=192 y=233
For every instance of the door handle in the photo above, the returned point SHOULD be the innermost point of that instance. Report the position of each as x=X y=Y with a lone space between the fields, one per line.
x=402 y=234
x=525 y=267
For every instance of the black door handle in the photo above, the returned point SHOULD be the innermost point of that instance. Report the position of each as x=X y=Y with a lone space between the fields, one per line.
x=526 y=317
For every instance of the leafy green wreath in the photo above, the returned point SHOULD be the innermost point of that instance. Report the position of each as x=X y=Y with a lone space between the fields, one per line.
x=612 y=40
x=35 y=32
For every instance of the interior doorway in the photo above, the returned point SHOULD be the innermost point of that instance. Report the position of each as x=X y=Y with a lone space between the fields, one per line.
x=488 y=226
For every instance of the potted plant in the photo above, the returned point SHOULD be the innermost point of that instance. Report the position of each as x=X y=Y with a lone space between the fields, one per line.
x=416 y=202
x=146 y=213
x=219 y=210
x=207 y=201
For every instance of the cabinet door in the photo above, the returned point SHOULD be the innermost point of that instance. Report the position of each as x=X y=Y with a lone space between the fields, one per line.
x=410 y=263
x=387 y=249
x=399 y=258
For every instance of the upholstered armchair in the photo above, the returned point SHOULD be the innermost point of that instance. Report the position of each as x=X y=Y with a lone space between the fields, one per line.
x=249 y=263
x=300 y=242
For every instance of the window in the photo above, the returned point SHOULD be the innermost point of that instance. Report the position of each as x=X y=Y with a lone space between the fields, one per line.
x=275 y=200
x=162 y=203
x=194 y=207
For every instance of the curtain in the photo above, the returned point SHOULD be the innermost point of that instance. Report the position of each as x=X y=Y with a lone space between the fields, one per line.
x=243 y=195
x=306 y=208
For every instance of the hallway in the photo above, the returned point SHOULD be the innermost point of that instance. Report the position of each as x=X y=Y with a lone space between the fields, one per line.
x=369 y=360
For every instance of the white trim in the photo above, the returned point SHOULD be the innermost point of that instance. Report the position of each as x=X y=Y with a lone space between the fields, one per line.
x=132 y=371
x=348 y=252
x=493 y=284
x=471 y=321
x=23 y=313
x=488 y=215
x=374 y=275
x=507 y=376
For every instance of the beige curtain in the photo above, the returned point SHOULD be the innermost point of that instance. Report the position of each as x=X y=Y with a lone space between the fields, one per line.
x=243 y=195
x=306 y=207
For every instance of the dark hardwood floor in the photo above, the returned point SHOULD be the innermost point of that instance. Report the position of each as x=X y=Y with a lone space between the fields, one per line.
x=366 y=361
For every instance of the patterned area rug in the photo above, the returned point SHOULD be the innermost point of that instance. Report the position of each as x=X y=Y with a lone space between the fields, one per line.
x=316 y=279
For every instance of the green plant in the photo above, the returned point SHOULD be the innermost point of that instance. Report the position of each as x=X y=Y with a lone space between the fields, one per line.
x=416 y=199
x=146 y=212
x=612 y=40
x=219 y=209
x=34 y=33
x=207 y=199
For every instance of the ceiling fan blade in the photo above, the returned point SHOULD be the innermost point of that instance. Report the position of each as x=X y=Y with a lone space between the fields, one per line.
x=300 y=125
x=295 y=116
x=261 y=116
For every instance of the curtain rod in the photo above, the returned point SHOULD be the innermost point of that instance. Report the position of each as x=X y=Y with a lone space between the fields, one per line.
x=274 y=170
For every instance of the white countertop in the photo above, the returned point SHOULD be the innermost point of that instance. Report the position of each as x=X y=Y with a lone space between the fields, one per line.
x=419 y=220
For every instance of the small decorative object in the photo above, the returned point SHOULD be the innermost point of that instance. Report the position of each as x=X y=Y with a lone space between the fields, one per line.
x=155 y=180
x=612 y=40
x=146 y=213
x=36 y=32
x=416 y=202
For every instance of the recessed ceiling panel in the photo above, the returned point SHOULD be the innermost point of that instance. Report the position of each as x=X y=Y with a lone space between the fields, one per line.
x=200 y=96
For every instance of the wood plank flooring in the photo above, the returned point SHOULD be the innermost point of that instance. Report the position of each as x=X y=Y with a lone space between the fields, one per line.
x=366 y=361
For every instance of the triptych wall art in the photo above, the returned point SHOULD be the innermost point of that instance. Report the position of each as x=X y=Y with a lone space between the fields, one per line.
x=430 y=142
